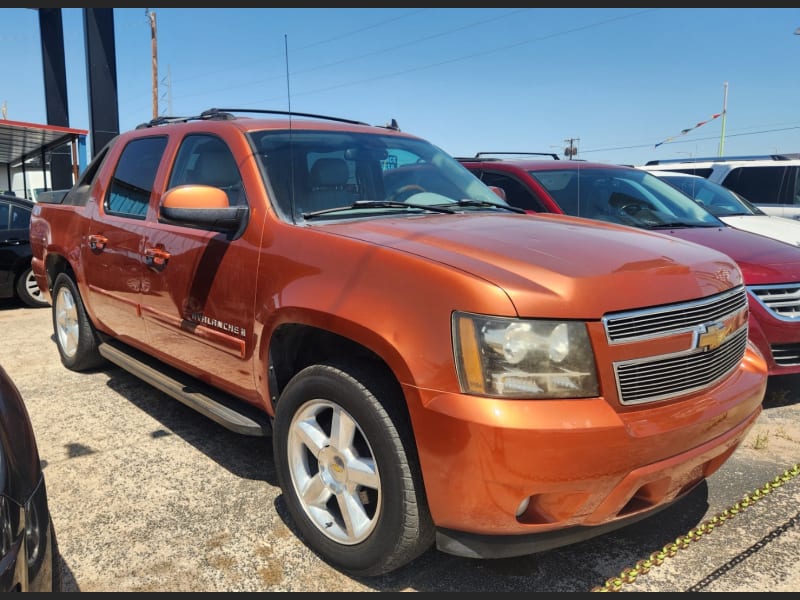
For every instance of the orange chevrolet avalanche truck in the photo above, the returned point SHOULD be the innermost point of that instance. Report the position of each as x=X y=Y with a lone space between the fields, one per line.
x=432 y=367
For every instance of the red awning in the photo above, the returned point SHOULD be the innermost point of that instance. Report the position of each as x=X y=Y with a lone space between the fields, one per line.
x=20 y=141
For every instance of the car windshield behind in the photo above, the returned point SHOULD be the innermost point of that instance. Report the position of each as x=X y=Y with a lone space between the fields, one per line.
x=312 y=172
x=715 y=198
x=622 y=195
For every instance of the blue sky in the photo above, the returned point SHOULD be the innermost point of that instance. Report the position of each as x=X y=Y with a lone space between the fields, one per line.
x=617 y=81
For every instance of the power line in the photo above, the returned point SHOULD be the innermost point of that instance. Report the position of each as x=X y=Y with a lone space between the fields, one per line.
x=692 y=141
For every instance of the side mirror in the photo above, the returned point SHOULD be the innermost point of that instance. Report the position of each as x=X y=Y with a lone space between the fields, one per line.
x=202 y=206
x=498 y=191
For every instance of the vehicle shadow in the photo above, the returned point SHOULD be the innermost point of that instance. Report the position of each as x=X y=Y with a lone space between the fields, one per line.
x=782 y=390
x=10 y=304
x=578 y=567
x=245 y=456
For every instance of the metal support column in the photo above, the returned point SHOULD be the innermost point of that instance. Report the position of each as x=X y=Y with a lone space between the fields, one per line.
x=101 y=73
x=51 y=33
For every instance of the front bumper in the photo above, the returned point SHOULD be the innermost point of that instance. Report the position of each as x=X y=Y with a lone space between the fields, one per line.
x=505 y=478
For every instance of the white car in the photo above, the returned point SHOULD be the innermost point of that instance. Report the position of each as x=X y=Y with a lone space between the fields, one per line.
x=769 y=181
x=731 y=208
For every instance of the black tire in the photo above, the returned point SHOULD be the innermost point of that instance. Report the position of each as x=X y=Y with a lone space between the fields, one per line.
x=75 y=335
x=28 y=290
x=389 y=523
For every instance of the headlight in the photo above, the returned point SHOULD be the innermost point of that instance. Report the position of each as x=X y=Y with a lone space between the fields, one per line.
x=516 y=358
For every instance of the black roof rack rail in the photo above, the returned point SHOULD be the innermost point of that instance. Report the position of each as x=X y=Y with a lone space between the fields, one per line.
x=482 y=156
x=693 y=159
x=227 y=114
x=162 y=121
x=165 y=120
x=552 y=155
x=213 y=112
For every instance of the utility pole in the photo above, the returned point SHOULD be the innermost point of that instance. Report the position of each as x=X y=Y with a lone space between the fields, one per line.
x=721 y=150
x=154 y=45
x=571 y=150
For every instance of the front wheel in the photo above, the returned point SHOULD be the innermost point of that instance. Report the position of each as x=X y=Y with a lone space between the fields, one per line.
x=347 y=467
x=75 y=335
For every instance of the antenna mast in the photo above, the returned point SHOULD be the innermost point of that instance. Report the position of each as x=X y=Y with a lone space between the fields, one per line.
x=286 y=55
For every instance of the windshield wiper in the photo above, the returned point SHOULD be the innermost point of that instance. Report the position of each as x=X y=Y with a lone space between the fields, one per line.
x=378 y=204
x=679 y=224
x=515 y=209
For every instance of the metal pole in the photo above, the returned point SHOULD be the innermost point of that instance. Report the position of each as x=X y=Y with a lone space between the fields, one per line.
x=153 y=40
x=724 y=116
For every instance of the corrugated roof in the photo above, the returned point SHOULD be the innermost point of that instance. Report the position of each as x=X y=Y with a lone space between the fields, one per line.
x=19 y=140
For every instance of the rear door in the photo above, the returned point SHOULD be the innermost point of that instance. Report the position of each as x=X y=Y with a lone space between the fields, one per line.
x=113 y=253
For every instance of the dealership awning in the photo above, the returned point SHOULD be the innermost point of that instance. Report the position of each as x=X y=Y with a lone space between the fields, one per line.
x=20 y=141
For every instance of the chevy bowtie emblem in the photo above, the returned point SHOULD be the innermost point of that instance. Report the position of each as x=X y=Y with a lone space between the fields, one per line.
x=712 y=336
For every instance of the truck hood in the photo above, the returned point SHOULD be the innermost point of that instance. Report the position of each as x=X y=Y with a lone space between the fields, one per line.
x=557 y=264
x=762 y=260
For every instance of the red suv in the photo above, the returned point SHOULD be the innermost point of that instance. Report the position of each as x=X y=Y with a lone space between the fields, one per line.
x=633 y=197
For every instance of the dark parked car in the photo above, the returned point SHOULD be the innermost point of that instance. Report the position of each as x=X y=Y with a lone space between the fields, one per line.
x=16 y=277
x=29 y=559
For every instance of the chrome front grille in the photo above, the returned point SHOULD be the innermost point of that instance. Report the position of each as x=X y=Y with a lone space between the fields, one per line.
x=716 y=330
x=669 y=377
x=674 y=318
x=783 y=301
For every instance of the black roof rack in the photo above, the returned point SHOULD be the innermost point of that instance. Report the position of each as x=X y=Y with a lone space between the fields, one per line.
x=665 y=161
x=227 y=114
x=483 y=156
x=208 y=114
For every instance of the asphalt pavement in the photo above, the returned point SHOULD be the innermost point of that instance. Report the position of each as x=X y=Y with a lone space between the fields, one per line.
x=148 y=495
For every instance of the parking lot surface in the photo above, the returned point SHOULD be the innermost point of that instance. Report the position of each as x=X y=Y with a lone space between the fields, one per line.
x=148 y=495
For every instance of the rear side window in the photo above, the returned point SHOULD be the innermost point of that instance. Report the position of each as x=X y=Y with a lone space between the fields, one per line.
x=13 y=217
x=132 y=183
x=760 y=185
x=701 y=172
x=517 y=193
x=795 y=187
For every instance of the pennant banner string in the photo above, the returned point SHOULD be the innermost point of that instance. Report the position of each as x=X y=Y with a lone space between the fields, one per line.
x=685 y=131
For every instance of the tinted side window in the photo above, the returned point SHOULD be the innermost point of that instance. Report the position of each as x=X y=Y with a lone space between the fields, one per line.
x=794 y=185
x=14 y=217
x=207 y=160
x=4 y=214
x=20 y=217
x=132 y=183
x=701 y=172
x=517 y=194
x=760 y=185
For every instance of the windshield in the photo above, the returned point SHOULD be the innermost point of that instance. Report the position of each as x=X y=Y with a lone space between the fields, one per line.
x=623 y=195
x=335 y=174
x=715 y=198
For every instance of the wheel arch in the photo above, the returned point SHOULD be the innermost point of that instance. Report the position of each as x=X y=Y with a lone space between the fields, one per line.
x=55 y=264
x=294 y=346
